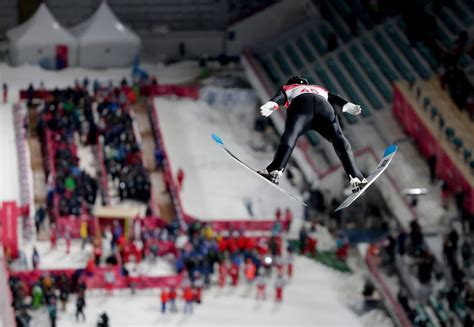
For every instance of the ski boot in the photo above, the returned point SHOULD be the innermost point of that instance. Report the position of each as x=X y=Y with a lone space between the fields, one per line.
x=357 y=184
x=272 y=176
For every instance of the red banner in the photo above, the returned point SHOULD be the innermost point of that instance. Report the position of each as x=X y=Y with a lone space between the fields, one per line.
x=9 y=215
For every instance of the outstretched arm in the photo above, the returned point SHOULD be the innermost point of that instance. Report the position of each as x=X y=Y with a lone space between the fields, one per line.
x=279 y=99
x=347 y=106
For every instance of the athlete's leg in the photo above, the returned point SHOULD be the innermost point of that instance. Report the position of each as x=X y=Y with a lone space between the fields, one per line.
x=298 y=119
x=326 y=123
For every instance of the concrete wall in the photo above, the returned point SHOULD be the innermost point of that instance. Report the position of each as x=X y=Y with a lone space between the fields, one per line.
x=268 y=23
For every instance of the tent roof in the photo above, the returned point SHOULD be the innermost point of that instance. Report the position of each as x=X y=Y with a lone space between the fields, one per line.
x=103 y=25
x=41 y=28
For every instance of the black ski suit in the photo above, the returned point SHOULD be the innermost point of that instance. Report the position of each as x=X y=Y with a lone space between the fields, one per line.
x=310 y=107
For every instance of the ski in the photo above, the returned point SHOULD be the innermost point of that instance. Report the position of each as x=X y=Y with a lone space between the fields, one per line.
x=221 y=144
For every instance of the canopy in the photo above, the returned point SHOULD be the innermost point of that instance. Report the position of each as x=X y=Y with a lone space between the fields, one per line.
x=42 y=40
x=104 y=41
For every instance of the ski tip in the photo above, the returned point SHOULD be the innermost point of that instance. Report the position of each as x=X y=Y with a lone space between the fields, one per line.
x=217 y=139
x=389 y=150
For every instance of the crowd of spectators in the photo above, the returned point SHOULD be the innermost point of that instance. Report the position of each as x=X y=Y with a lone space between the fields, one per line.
x=65 y=116
x=422 y=26
x=122 y=151
x=446 y=280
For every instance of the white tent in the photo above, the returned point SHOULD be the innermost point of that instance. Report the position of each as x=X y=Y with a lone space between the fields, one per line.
x=42 y=40
x=104 y=41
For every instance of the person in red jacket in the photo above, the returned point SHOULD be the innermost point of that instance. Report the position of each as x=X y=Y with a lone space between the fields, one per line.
x=188 y=296
x=165 y=295
x=172 y=298
x=241 y=242
x=198 y=285
x=278 y=214
x=90 y=267
x=222 y=273
x=279 y=284
x=180 y=179
x=287 y=220
x=67 y=238
x=261 y=285
x=234 y=274
x=97 y=253
x=53 y=236
x=222 y=244
x=250 y=270
x=289 y=262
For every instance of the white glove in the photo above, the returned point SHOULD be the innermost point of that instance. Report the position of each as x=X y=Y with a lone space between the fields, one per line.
x=268 y=108
x=351 y=108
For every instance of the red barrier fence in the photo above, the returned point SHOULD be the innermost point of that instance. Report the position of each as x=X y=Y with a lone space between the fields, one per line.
x=392 y=304
x=180 y=91
x=98 y=280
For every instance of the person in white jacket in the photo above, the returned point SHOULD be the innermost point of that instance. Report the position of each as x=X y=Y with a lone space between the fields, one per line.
x=311 y=107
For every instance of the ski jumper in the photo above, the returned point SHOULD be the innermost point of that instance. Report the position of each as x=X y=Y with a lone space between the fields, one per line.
x=311 y=107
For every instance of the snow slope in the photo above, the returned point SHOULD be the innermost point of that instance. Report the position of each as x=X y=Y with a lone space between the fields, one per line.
x=9 y=176
x=312 y=298
x=215 y=187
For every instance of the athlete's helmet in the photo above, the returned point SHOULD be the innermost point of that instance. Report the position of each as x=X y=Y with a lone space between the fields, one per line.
x=297 y=80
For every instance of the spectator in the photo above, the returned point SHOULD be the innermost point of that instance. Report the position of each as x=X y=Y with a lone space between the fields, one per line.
x=5 y=92
x=445 y=194
x=188 y=300
x=425 y=267
x=165 y=295
x=64 y=292
x=180 y=178
x=401 y=242
x=83 y=233
x=289 y=261
x=40 y=216
x=449 y=251
x=466 y=253
x=432 y=160
x=53 y=236
x=234 y=273
x=35 y=258
x=261 y=285
x=103 y=320
x=198 y=285
x=80 y=305
x=52 y=310
x=416 y=236
x=172 y=299
x=279 y=284
x=250 y=270
x=303 y=238
x=37 y=295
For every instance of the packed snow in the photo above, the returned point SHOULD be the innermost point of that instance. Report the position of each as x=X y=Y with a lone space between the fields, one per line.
x=216 y=187
x=9 y=177
x=313 y=297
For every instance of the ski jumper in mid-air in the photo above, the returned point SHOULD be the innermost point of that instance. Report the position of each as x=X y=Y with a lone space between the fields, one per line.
x=311 y=107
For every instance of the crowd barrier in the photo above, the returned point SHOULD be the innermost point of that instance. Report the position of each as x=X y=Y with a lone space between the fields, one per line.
x=179 y=91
